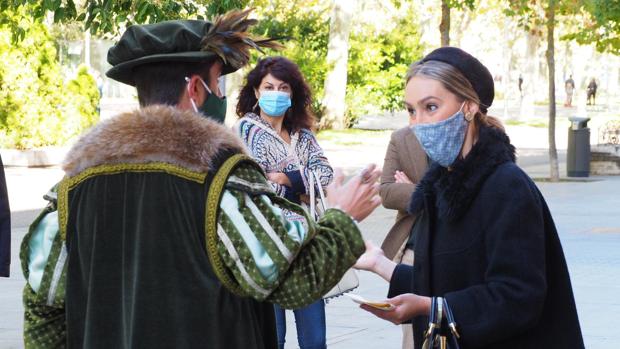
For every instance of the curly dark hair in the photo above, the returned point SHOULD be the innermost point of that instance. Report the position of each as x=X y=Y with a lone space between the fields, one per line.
x=299 y=115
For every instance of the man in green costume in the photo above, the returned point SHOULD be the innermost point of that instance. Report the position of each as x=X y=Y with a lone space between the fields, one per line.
x=164 y=233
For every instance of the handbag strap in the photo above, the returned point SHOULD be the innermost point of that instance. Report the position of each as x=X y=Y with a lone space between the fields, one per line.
x=323 y=201
x=450 y=318
x=315 y=185
x=431 y=318
x=435 y=336
x=312 y=195
x=439 y=319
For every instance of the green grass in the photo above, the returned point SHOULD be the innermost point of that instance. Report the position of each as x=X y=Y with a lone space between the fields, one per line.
x=351 y=136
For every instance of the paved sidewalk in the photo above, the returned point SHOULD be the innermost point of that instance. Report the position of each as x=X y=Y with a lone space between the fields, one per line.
x=587 y=215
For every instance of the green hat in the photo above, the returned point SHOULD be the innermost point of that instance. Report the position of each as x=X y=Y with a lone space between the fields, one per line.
x=185 y=41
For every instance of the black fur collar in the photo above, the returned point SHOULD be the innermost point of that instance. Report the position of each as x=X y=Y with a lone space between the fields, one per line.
x=453 y=191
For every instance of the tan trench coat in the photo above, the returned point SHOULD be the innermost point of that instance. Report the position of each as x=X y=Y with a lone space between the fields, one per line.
x=404 y=153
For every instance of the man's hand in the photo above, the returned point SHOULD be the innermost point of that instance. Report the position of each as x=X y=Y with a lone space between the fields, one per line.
x=279 y=177
x=407 y=306
x=359 y=196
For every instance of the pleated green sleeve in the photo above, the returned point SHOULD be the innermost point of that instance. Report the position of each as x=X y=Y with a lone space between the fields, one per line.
x=267 y=257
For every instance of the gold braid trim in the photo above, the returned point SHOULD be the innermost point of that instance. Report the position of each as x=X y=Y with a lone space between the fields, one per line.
x=68 y=183
x=216 y=189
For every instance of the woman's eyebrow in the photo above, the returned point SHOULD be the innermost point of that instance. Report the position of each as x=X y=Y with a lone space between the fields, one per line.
x=421 y=101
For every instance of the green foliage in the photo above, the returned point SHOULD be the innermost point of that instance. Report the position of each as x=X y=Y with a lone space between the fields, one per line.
x=601 y=26
x=378 y=57
x=377 y=66
x=107 y=17
x=35 y=107
x=86 y=98
x=462 y=4
x=378 y=60
x=306 y=26
x=591 y=21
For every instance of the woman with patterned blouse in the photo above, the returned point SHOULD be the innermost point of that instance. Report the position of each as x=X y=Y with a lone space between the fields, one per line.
x=275 y=123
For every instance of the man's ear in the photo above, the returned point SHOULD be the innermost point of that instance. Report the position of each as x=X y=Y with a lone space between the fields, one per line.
x=184 y=97
x=196 y=90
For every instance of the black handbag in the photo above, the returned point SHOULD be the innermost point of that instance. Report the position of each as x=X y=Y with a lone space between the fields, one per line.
x=441 y=332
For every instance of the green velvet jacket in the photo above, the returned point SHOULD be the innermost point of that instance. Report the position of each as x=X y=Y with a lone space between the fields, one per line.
x=169 y=236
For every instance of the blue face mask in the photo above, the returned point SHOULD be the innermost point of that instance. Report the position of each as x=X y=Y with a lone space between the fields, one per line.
x=274 y=103
x=442 y=141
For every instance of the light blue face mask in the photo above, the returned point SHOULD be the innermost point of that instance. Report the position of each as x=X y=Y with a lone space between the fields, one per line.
x=442 y=141
x=274 y=103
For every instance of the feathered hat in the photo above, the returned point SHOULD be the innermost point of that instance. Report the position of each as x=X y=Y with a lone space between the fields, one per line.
x=186 y=41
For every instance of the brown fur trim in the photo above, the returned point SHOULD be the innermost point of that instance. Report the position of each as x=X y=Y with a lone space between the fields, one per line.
x=155 y=133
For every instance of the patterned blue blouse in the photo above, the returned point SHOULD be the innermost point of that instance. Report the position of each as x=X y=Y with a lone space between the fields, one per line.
x=297 y=159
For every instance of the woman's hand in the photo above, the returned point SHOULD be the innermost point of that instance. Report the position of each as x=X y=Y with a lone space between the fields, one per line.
x=279 y=177
x=375 y=260
x=359 y=196
x=406 y=307
x=371 y=256
x=401 y=177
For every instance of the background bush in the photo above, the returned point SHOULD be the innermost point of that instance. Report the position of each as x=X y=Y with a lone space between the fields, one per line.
x=37 y=108
x=378 y=61
x=379 y=53
x=306 y=26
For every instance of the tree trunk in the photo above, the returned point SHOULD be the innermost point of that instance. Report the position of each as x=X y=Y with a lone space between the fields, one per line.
x=461 y=27
x=507 y=57
x=444 y=26
x=527 y=107
x=553 y=153
x=337 y=57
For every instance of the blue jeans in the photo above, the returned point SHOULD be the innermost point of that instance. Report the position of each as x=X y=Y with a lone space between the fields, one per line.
x=310 y=323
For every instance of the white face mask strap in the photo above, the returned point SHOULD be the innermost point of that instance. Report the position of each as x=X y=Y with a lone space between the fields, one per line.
x=206 y=87
x=462 y=105
x=191 y=100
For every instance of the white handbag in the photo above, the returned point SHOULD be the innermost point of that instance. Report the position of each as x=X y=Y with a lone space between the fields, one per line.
x=348 y=283
x=349 y=280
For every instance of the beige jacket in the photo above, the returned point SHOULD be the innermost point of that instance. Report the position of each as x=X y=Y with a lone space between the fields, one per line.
x=403 y=154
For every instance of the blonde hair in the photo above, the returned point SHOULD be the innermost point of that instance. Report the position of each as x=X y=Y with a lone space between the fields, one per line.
x=455 y=82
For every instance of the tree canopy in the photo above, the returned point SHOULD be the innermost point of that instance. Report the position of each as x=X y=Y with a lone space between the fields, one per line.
x=600 y=25
x=108 y=17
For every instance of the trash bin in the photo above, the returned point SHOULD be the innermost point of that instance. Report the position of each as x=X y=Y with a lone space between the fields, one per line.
x=578 y=152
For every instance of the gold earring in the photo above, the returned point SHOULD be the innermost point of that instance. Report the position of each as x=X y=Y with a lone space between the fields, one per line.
x=468 y=116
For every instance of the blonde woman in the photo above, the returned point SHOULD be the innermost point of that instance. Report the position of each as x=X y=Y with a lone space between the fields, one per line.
x=485 y=243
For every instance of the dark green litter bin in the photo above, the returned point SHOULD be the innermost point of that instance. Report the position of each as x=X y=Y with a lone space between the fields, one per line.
x=578 y=152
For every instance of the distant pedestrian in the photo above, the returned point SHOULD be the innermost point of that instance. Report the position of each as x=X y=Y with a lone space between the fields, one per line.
x=591 y=92
x=569 y=87
x=5 y=226
x=521 y=85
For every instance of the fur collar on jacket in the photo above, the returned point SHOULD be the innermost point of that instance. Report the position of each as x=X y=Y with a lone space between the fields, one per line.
x=455 y=190
x=153 y=134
